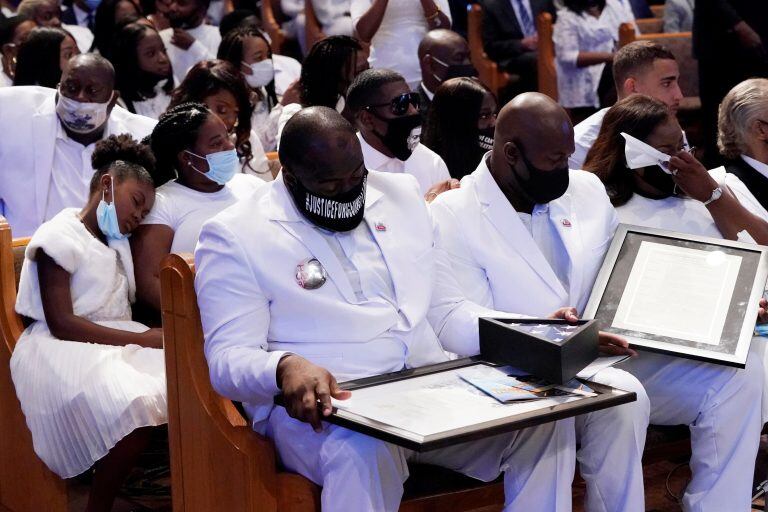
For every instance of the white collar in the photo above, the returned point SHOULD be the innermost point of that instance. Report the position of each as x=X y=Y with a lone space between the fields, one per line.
x=375 y=159
x=756 y=165
x=429 y=93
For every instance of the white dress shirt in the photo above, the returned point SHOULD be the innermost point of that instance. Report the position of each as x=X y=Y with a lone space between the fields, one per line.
x=287 y=71
x=547 y=239
x=424 y=164
x=71 y=176
x=756 y=165
x=82 y=35
x=205 y=47
x=396 y=42
x=575 y=33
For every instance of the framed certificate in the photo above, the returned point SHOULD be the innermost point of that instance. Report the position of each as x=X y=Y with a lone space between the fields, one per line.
x=678 y=294
x=436 y=406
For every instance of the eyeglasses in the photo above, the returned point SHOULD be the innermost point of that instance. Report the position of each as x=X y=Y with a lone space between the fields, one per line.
x=399 y=105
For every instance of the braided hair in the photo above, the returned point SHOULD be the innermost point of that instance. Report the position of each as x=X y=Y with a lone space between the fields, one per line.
x=123 y=157
x=176 y=131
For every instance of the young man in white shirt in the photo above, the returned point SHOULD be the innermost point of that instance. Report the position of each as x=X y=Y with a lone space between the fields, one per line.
x=387 y=117
x=47 y=13
x=378 y=298
x=189 y=39
x=641 y=67
x=49 y=136
x=525 y=234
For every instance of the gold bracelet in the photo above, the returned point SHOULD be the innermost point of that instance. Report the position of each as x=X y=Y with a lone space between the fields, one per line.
x=433 y=17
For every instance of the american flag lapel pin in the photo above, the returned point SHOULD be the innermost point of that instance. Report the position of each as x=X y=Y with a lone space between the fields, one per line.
x=379 y=226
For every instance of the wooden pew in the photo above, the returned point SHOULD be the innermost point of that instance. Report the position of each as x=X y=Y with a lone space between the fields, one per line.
x=313 y=29
x=219 y=463
x=547 y=72
x=681 y=45
x=26 y=484
x=490 y=74
x=271 y=25
x=650 y=25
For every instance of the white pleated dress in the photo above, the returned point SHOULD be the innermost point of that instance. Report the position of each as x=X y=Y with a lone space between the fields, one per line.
x=80 y=399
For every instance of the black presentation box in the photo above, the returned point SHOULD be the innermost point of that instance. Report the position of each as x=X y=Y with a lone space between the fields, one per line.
x=525 y=344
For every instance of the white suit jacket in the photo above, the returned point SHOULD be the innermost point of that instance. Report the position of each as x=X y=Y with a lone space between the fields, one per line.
x=497 y=262
x=28 y=124
x=254 y=311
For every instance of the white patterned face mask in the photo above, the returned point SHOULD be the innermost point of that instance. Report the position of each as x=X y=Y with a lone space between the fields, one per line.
x=639 y=154
x=81 y=117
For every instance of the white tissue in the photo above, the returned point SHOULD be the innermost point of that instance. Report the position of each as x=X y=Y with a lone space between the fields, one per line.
x=639 y=154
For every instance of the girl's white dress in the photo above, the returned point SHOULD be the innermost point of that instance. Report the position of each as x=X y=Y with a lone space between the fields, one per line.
x=80 y=399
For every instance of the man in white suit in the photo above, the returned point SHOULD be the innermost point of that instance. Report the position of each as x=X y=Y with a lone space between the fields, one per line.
x=49 y=136
x=348 y=285
x=524 y=234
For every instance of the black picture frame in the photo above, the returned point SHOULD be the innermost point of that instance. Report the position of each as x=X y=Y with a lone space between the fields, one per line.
x=736 y=335
x=606 y=397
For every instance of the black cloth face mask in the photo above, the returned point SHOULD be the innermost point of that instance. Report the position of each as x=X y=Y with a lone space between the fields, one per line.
x=341 y=212
x=659 y=180
x=398 y=137
x=542 y=186
x=454 y=70
x=485 y=138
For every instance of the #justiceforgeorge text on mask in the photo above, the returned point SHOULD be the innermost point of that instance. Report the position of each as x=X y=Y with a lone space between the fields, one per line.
x=341 y=212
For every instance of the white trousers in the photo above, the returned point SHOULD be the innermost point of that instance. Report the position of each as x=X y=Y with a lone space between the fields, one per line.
x=721 y=405
x=611 y=448
x=360 y=473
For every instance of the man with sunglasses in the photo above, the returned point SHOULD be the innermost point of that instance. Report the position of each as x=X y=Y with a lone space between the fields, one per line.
x=524 y=233
x=387 y=117
x=350 y=285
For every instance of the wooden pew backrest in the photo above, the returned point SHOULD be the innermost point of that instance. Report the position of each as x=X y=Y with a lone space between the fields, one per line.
x=489 y=73
x=547 y=73
x=217 y=461
x=26 y=484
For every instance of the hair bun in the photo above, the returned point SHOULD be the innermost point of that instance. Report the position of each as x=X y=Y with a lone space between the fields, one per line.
x=122 y=147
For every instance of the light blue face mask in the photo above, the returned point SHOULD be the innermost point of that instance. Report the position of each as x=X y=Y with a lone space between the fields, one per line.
x=106 y=216
x=222 y=165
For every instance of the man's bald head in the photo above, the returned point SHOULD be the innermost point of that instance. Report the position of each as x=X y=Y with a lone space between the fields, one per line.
x=532 y=143
x=440 y=49
x=92 y=65
x=532 y=118
x=319 y=144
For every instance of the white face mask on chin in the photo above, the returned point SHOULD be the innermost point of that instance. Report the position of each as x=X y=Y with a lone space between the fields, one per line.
x=81 y=117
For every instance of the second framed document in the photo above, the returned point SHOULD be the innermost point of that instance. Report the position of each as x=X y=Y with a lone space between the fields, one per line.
x=684 y=295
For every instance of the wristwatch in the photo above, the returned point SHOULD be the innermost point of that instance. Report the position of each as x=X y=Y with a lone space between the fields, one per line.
x=716 y=194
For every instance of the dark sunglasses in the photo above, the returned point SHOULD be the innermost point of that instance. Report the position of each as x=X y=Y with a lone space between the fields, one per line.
x=399 y=105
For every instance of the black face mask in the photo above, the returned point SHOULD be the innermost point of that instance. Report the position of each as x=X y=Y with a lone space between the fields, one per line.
x=342 y=212
x=485 y=138
x=659 y=180
x=398 y=138
x=543 y=186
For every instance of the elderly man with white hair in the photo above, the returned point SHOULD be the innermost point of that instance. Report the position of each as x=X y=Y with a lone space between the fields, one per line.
x=743 y=135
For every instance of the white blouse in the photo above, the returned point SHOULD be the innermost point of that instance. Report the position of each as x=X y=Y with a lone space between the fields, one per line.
x=575 y=33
